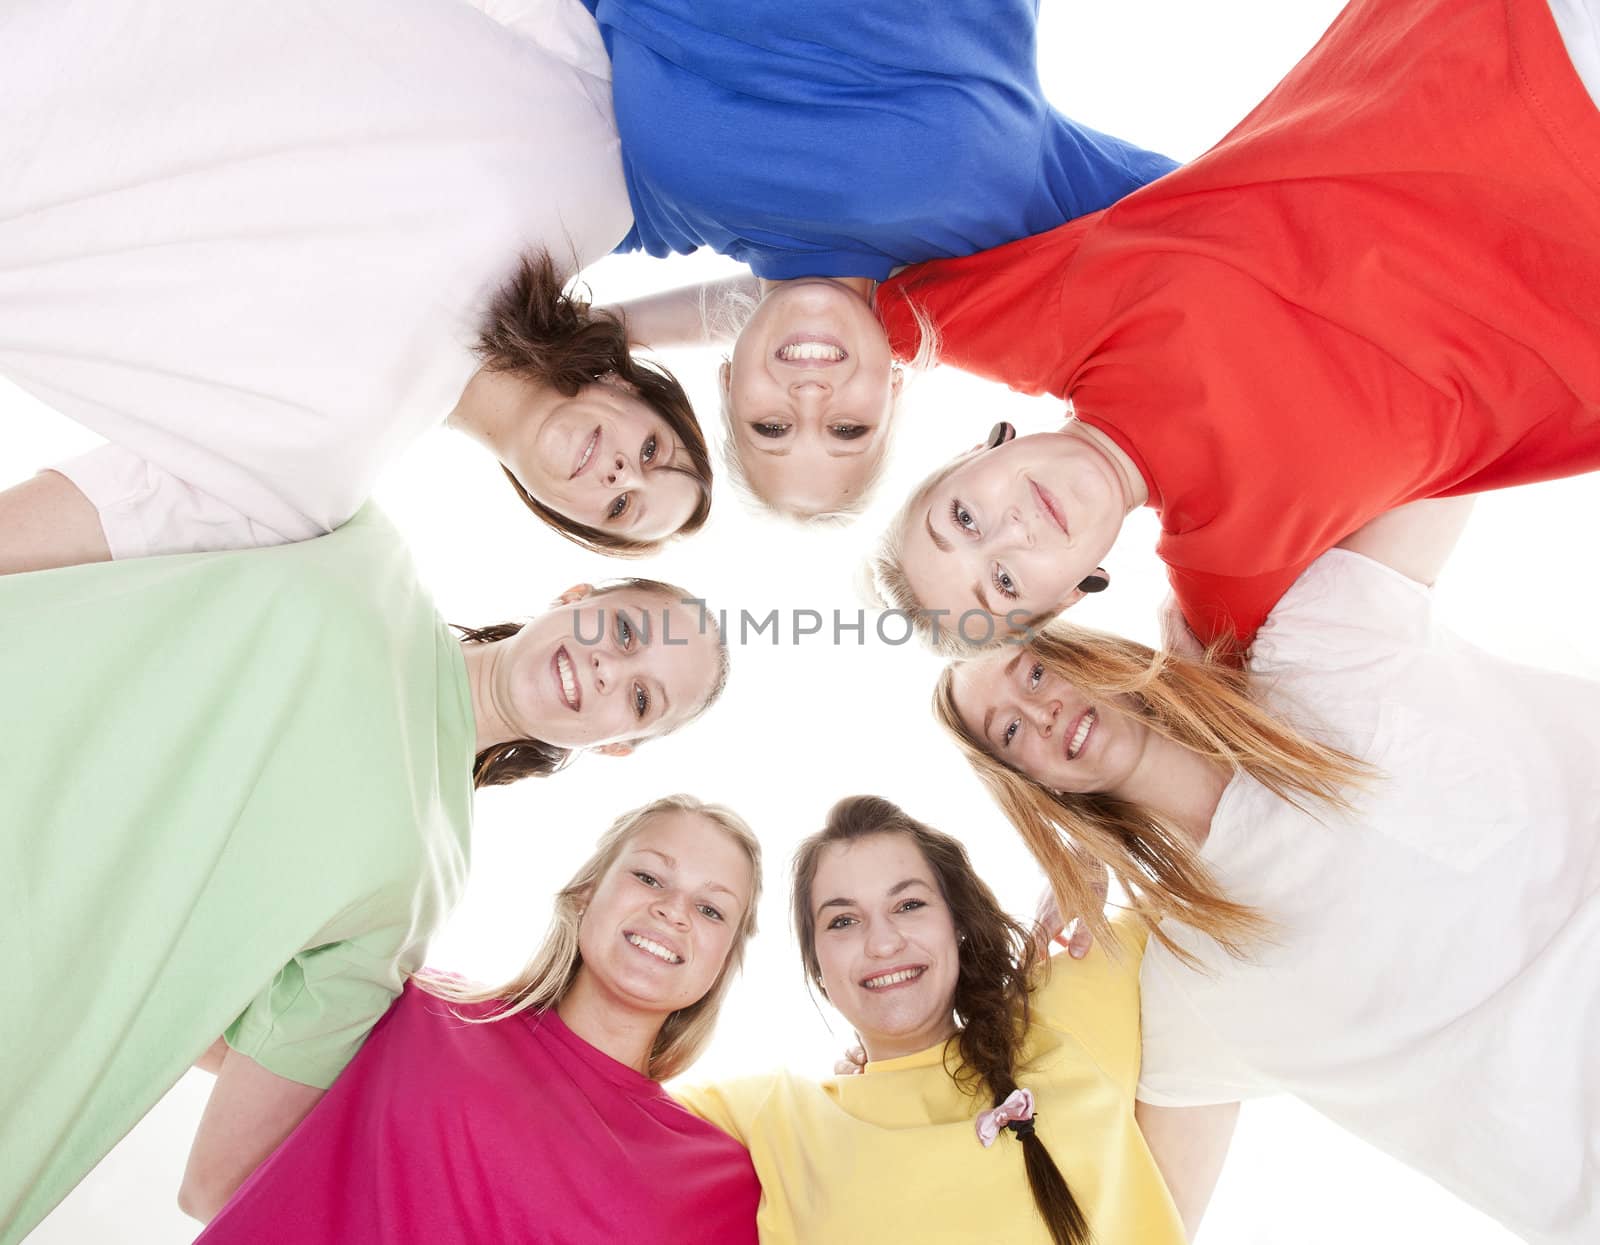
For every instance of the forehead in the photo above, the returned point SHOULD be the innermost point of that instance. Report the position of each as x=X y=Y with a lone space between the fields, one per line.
x=701 y=851
x=976 y=682
x=866 y=868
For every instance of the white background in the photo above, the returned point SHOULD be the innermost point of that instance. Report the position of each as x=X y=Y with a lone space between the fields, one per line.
x=803 y=724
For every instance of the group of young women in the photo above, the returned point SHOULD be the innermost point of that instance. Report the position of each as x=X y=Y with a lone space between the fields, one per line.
x=261 y=249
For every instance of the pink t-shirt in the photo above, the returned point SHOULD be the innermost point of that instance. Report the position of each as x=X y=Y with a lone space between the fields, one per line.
x=441 y=1131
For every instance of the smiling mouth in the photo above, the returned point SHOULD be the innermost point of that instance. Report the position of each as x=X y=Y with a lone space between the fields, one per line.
x=652 y=948
x=894 y=977
x=811 y=350
x=1081 y=733
x=1049 y=506
x=586 y=456
x=567 y=679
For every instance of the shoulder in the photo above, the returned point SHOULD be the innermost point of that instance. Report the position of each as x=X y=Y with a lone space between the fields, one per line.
x=1344 y=608
x=1096 y=999
x=736 y=1106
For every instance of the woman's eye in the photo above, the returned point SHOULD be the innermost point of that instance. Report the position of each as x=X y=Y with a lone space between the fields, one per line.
x=1035 y=675
x=618 y=507
x=911 y=905
x=624 y=632
x=1010 y=733
x=840 y=922
x=770 y=430
x=641 y=700
x=962 y=517
x=706 y=910
x=848 y=432
x=1004 y=584
x=649 y=879
x=647 y=451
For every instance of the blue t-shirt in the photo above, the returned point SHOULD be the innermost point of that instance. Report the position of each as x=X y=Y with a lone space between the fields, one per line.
x=846 y=137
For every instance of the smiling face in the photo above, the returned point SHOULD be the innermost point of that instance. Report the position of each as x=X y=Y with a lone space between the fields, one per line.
x=809 y=393
x=886 y=943
x=656 y=931
x=607 y=460
x=1045 y=728
x=616 y=666
x=1012 y=530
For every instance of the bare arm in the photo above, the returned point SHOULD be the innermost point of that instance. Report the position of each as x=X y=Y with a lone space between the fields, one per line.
x=1415 y=539
x=46 y=522
x=689 y=315
x=211 y=1061
x=249 y=1112
x=1188 y=1145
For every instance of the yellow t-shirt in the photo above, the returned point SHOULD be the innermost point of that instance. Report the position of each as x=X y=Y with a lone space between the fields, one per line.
x=892 y=1154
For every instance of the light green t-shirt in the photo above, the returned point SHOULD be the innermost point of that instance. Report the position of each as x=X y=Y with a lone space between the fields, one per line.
x=235 y=795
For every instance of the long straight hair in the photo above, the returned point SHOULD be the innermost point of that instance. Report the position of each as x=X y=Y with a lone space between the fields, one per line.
x=503 y=763
x=537 y=329
x=1207 y=707
x=998 y=964
x=549 y=975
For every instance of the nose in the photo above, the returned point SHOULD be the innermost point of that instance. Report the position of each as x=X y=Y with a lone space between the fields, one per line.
x=884 y=939
x=603 y=672
x=617 y=471
x=672 y=908
x=1044 y=714
x=1020 y=521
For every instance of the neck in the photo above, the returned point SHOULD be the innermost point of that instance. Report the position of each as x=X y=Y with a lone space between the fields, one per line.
x=881 y=1048
x=1181 y=786
x=860 y=286
x=625 y=1034
x=1135 y=492
x=499 y=410
x=490 y=721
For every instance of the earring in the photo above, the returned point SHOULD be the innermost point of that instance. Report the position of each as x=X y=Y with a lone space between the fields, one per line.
x=1097 y=581
x=1000 y=434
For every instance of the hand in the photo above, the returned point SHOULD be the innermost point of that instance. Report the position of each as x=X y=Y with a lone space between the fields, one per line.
x=1052 y=926
x=1176 y=637
x=853 y=1063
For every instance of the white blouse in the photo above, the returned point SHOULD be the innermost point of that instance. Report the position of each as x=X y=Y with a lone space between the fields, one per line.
x=251 y=243
x=1433 y=980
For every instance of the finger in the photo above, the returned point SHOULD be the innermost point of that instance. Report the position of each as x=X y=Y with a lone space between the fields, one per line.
x=846 y=1068
x=1080 y=942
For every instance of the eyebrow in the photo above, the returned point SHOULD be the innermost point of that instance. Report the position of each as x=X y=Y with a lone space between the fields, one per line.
x=979 y=592
x=989 y=717
x=666 y=701
x=673 y=864
x=894 y=890
x=942 y=544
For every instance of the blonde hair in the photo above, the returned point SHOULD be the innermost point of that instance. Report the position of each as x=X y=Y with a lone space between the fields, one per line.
x=1204 y=705
x=732 y=313
x=544 y=982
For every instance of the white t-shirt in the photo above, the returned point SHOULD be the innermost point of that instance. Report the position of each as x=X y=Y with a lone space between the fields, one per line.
x=251 y=243
x=1433 y=981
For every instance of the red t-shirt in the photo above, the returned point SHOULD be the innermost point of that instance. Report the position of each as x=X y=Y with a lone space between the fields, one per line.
x=1383 y=285
x=447 y=1133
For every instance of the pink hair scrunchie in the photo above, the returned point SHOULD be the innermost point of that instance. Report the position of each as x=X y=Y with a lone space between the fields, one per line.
x=1015 y=1109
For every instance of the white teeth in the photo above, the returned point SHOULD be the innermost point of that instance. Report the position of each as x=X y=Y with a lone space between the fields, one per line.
x=588 y=452
x=893 y=979
x=1081 y=734
x=810 y=350
x=654 y=948
x=569 y=679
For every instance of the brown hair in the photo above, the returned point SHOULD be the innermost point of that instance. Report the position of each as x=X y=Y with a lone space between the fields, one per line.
x=503 y=763
x=536 y=329
x=1205 y=705
x=997 y=970
x=547 y=977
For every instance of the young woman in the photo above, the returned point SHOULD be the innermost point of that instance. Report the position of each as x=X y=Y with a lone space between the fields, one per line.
x=1385 y=901
x=825 y=145
x=997 y=1098
x=1341 y=308
x=258 y=248
x=234 y=796
x=532 y=1112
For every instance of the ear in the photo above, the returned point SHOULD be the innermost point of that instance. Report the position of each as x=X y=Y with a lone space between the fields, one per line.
x=575 y=593
x=615 y=750
x=897 y=381
x=725 y=376
x=998 y=435
x=1098 y=580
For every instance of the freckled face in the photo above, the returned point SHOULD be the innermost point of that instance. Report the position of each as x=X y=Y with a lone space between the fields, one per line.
x=657 y=930
x=1013 y=529
x=1044 y=727
x=618 y=666
x=810 y=393
x=886 y=943
x=606 y=459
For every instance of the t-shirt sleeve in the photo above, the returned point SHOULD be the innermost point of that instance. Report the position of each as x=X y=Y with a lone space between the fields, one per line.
x=1096 y=999
x=986 y=309
x=1228 y=607
x=1183 y=1064
x=313 y=1016
x=731 y=1105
